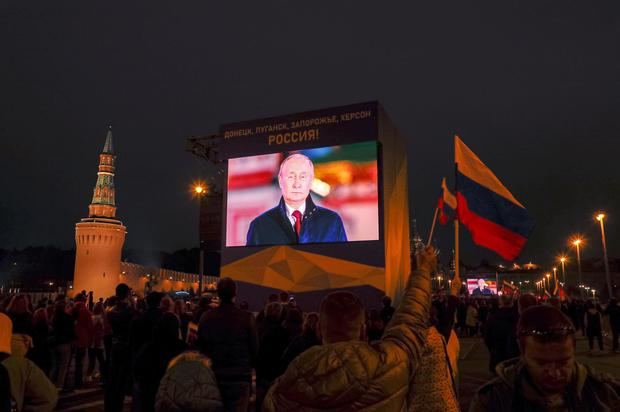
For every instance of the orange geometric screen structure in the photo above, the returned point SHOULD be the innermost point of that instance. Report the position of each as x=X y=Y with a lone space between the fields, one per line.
x=313 y=264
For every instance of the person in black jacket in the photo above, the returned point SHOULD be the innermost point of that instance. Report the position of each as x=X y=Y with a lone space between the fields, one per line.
x=142 y=325
x=592 y=322
x=227 y=335
x=273 y=340
x=547 y=376
x=152 y=360
x=308 y=338
x=499 y=335
x=613 y=311
x=63 y=333
x=119 y=375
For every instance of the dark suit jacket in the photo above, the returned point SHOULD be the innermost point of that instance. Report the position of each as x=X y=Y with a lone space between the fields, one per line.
x=484 y=292
x=318 y=225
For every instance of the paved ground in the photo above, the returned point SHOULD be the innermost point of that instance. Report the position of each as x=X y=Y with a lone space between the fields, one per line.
x=473 y=368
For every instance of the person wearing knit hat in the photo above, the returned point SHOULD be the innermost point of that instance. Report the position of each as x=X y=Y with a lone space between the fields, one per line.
x=30 y=388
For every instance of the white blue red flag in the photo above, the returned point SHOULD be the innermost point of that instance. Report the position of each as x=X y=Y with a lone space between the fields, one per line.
x=495 y=219
x=445 y=199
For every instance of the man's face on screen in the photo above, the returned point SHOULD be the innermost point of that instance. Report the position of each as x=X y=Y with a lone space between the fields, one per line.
x=295 y=180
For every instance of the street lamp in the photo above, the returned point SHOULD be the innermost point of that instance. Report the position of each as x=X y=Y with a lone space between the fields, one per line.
x=563 y=260
x=601 y=217
x=593 y=293
x=577 y=243
x=200 y=189
x=548 y=282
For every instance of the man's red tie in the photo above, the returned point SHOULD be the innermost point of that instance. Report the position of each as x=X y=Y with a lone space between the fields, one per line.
x=297 y=216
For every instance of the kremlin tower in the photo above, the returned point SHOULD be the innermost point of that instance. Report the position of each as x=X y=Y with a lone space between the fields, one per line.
x=99 y=238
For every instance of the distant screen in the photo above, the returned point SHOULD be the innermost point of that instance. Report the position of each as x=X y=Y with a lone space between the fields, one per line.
x=334 y=189
x=481 y=286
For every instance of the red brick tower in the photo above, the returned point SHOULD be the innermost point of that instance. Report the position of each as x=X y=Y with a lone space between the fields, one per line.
x=99 y=238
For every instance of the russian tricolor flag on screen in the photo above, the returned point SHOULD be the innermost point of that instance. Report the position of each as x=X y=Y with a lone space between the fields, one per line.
x=495 y=219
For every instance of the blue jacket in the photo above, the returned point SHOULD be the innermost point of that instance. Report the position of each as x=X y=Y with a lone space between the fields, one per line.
x=274 y=228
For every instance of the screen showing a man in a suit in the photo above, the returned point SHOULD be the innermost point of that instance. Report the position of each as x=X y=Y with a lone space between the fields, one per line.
x=481 y=286
x=320 y=195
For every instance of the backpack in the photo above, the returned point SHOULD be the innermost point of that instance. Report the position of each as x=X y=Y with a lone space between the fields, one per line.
x=7 y=403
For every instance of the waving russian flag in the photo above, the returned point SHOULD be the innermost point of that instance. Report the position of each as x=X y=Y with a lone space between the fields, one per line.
x=495 y=219
x=446 y=198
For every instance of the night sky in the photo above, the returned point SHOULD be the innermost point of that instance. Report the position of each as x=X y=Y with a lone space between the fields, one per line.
x=532 y=87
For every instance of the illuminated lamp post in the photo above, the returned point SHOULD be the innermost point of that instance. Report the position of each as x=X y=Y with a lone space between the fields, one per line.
x=577 y=243
x=548 y=282
x=199 y=191
x=563 y=260
x=601 y=217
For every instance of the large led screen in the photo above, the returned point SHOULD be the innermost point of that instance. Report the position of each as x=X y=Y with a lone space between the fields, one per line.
x=319 y=195
x=482 y=286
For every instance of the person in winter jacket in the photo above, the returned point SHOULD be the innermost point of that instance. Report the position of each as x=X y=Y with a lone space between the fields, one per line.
x=63 y=334
x=30 y=389
x=613 y=311
x=546 y=377
x=593 y=325
x=433 y=387
x=273 y=340
x=84 y=331
x=189 y=386
x=227 y=336
x=152 y=360
x=308 y=338
x=41 y=353
x=471 y=319
x=499 y=335
x=119 y=366
x=95 y=351
x=346 y=372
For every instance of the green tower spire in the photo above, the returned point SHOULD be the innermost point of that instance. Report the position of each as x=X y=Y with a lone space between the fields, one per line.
x=104 y=203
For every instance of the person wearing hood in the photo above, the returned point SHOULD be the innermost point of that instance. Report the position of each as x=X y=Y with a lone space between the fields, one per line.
x=546 y=376
x=346 y=372
x=30 y=389
x=189 y=386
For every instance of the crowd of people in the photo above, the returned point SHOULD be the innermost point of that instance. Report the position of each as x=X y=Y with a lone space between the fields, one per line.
x=214 y=354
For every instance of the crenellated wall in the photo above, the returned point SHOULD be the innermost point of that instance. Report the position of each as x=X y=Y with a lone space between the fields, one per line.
x=142 y=278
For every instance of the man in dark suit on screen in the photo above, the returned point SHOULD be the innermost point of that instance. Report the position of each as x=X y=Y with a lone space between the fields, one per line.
x=482 y=289
x=296 y=219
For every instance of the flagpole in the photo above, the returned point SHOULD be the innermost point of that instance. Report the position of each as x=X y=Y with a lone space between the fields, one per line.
x=457 y=270
x=497 y=280
x=430 y=236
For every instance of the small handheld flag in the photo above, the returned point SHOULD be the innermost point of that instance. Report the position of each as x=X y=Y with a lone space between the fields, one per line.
x=446 y=198
x=495 y=219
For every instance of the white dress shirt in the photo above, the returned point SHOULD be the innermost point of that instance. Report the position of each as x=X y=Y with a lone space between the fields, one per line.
x=290 y=210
